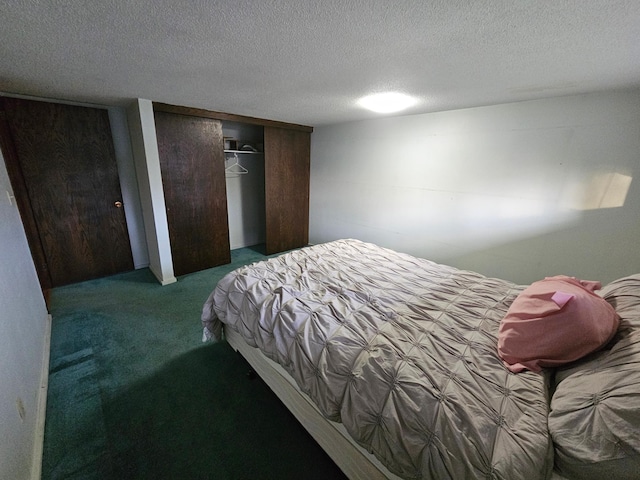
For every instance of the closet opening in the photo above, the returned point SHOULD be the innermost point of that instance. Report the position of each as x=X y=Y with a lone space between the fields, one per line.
x=245 y=183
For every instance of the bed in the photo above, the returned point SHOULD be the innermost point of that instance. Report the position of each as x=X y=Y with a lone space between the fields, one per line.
x=391 y=363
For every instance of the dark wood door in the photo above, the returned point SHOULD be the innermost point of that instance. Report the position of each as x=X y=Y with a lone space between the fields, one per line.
x=193 y=178
x=67 y=171
x=287 y=162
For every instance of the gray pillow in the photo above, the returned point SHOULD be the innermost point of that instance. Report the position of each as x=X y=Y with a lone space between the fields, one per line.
x=594 y=418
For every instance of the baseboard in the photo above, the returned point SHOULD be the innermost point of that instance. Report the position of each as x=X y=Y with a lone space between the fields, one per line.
x=163 y=281
x=38 y=444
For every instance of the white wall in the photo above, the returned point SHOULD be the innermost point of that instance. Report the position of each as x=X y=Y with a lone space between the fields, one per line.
x=506 y=190
x=147 y=165
x=23 y=331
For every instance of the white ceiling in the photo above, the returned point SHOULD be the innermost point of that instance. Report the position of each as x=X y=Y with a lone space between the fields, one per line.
x=308 y=61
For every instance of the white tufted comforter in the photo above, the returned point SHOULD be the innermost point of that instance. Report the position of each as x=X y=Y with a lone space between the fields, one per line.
x=401 y=350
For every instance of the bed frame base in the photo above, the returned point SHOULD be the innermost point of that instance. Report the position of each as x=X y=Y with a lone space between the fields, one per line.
x=352 y=459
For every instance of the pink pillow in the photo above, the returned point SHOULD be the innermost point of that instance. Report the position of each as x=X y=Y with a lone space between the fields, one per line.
x=555 y=321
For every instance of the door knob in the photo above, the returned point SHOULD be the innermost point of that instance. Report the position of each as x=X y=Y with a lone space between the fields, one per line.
x=118 y=204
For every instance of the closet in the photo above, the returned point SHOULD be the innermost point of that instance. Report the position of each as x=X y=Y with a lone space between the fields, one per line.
x=244 y=175
x=287 y=171
x=231 y=181
x=194 y=190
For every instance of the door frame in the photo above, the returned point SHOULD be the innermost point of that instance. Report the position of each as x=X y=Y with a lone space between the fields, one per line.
x=23 y=203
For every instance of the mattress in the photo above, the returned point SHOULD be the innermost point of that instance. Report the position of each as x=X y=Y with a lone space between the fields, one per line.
x=402 y=351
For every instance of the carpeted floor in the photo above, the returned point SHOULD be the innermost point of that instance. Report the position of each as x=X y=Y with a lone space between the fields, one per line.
x=134 y=394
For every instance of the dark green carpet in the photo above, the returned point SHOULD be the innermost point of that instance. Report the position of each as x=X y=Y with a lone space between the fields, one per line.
x=134 y=394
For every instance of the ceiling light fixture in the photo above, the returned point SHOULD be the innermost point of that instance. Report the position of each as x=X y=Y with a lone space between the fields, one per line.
x=387 y=102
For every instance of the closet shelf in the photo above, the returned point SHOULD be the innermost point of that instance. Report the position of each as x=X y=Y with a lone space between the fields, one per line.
x=247 y=152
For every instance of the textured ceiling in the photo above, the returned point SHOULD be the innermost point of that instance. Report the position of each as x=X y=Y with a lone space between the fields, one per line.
x=308 y=61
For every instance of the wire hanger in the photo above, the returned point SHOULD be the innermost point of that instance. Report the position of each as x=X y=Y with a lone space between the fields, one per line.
x=235 y=168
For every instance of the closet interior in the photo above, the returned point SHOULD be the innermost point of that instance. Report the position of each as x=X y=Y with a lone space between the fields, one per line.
x=244 y=178
x=231 y=182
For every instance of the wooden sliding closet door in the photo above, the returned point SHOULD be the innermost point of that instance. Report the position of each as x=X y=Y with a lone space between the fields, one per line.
x=63 y=170
x=193 y=178
x=287 y=163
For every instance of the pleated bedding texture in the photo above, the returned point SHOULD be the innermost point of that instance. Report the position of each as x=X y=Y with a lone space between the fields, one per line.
x=401 y=350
